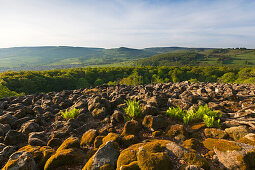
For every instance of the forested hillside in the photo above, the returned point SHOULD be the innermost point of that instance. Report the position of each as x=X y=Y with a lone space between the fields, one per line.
x=66 y=79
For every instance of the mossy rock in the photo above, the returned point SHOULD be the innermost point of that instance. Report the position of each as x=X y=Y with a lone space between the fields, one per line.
x=192 y=144
x=98 y=141
x=248 y=139
x=130 y=154
x=194 y=159
x=234 y=155
x=130 y=128
x=65 y=157
x=69 y=153
x=209 y=143
x=71 y=142
x=196 y=127
x=175 y=130
x=105 y=157
x=132 y=166
x=39 y=154
x=111 y=137
x=237 y=132
x=88 y=137
x=215 y=133
x=99 y=113
x=153 y=161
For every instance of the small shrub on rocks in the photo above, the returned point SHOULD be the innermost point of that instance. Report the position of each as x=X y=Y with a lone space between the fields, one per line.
x=71 y=114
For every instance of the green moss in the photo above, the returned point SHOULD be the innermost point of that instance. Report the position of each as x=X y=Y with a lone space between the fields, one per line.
x=131 y=166
x=88 y=137
x=153 y=161
x=193 y=159
x=156 y=146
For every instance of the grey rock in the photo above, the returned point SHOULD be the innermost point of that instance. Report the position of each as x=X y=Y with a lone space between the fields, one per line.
x=14 y=137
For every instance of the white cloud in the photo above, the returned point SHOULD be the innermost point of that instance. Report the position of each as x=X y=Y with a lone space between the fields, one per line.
x=140 y=23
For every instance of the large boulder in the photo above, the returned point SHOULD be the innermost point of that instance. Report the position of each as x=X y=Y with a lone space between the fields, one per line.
x=88 y=137
x=20 y=160
x=106 y=155
x=69 y=153
x=234 y=155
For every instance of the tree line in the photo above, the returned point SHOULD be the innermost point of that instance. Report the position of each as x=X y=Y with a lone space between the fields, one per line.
x=28 y=82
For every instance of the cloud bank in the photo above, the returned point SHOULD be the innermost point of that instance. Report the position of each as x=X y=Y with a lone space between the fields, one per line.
x=130 y=23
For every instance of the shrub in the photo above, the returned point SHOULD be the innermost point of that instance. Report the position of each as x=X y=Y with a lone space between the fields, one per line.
x=211 y=118
x=70 y=114
x=133 y=109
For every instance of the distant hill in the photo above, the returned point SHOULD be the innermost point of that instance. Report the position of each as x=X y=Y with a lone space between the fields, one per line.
x=51 y=57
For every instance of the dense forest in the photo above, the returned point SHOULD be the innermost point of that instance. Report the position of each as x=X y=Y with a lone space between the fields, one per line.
x=29 y=82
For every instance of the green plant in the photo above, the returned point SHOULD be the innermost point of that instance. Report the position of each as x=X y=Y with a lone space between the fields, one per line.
x=211 y=118
x=175 y=112
x=70 y=114
x=133 y=109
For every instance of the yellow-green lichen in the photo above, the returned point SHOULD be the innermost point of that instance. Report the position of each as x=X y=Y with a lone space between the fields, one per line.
x=88 y=137
x=194 y=159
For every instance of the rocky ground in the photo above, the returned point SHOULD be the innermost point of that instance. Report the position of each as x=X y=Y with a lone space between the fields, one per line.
x=34 y=135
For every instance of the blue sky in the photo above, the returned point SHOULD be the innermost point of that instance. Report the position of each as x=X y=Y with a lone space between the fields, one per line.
x=130 y=23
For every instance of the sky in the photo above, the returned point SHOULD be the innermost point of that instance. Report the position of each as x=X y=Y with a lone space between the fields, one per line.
x=127 y=23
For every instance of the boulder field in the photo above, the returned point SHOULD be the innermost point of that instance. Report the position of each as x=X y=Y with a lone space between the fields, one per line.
x=34 y=135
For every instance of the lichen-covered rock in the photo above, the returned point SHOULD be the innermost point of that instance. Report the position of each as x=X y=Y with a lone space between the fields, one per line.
x=111 y=137
x=130 y=128
x=148 y=160
x=7 y=119
x=88 y=137
x=215 y=133
x=54 y=142
x=99 y=112
x=193 y=167
x=176 y=131
x=155 y=148
x=237 y=132
x=69 y=153
x=209 y=143
x=39 y=154
x=190 y=157
x=20 y=160
x=234 y=155
x=129 y=140
x=154 y=122
x=248 y=139
x=107 y=154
